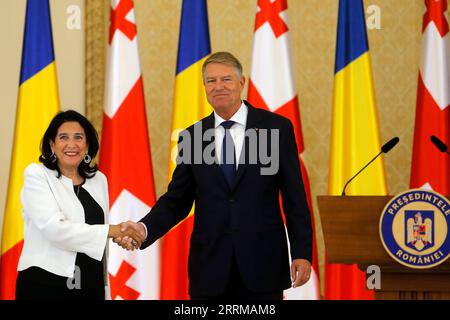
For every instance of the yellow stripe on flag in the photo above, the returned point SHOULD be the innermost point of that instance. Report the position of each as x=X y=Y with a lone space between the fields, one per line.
x=190 y=103
x=38 y=103
x=354 y=134
x=189 y=106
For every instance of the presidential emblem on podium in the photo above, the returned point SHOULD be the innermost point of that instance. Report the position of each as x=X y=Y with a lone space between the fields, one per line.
x=419 y=229
x=414 y=228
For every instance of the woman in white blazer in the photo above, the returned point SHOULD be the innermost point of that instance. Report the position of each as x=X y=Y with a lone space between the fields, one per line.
x=65 y=205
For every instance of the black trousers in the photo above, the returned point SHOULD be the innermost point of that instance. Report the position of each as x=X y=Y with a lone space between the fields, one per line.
x=29 y=290
x=236 y=289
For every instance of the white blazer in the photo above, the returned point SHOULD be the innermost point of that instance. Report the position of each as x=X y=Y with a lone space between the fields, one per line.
x=54 y=226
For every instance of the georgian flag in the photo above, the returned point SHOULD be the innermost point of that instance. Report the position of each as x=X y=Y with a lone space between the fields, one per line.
x=272 y=87
x=431 y=168
x=125 y=157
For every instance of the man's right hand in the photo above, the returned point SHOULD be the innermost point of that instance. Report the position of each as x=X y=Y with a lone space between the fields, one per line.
x=133 y=234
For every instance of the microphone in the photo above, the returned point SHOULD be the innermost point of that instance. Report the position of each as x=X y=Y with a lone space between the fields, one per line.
x=389 y=145
x=439 y=144
x=384 y=149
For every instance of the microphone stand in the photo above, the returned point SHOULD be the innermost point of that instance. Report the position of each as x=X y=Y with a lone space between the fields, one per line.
x=343 y=190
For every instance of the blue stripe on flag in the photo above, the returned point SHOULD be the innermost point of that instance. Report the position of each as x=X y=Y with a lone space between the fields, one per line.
x=193 y=44
x=37 y=52
x=351 y=33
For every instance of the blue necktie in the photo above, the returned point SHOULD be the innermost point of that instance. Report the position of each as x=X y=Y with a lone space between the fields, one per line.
x=228 y=163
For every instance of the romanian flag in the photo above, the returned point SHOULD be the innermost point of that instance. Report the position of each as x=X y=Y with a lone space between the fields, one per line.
x=38 y=102
x=190 y=105
x=431 y=168
x=354 y=135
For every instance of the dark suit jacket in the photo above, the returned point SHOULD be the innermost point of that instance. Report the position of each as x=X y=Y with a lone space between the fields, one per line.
x=244 y=219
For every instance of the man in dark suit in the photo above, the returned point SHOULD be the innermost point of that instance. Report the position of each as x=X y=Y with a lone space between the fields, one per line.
x=238 y=247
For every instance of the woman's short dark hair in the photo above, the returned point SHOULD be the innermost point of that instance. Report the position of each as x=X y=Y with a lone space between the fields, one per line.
x=86 y=170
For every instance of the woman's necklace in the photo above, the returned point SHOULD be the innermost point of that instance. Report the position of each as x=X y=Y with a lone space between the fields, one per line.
x=78 y=187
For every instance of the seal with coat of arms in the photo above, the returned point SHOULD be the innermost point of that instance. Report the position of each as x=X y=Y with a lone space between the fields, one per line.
x=414 y=228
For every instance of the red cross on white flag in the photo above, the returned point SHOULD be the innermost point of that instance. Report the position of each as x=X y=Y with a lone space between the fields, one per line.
x=430 y=168
x=271 y=87
x=125 y=157
x=270 y=12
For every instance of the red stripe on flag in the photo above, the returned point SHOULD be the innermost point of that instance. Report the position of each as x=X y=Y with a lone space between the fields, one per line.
x=345 y=282
x=8 y=272
x=288 y=110
x=175 y=249
x=127 y=148
x=428 y=163
x=254 y=97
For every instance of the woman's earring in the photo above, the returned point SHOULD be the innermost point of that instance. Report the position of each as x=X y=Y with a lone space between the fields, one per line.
x=53 y=157
x=87 y=158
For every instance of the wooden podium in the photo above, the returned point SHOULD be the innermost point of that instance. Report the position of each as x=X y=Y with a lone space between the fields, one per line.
x=350 y=228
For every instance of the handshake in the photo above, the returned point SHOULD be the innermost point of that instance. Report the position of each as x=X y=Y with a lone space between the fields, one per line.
x=129 y=235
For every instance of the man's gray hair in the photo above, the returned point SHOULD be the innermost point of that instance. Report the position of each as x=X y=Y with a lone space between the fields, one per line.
x=223 y=57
